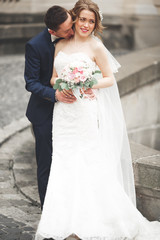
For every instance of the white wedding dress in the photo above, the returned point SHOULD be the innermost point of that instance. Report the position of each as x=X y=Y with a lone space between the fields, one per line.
x=86 y=194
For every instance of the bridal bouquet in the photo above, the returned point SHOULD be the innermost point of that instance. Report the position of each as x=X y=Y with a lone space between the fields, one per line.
x=76 y=75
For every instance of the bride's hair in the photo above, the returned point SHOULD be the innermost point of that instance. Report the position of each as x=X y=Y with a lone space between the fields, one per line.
x=91 y=6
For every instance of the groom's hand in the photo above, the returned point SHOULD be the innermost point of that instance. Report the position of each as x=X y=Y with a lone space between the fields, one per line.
x=65 y=96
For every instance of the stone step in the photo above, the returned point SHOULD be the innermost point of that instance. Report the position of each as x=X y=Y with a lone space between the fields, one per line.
x=146 y=162
x=148 y=202
x=13 y=18
x=147 y=173
x=20 y=31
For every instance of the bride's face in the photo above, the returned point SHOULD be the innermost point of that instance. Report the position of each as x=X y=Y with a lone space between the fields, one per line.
x=85 y=23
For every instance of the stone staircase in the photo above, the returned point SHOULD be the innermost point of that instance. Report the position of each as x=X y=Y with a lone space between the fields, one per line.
x=146 y=162
x=17 y=29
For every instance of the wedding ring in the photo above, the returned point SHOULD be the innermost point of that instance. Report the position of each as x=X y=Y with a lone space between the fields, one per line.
x=67 y=94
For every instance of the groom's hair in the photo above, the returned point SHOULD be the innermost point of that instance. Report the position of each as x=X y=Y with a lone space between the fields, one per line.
x=55 y=16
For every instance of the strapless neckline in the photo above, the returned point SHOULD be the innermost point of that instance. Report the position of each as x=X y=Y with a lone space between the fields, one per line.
x=75 y=53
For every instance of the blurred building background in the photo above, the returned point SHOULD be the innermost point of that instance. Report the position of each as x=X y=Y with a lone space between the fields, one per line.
x=131 y=24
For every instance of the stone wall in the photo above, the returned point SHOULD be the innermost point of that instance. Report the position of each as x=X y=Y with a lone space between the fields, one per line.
x=139 y=86
x=140 y=95
x=17 y=29
x=146 y=163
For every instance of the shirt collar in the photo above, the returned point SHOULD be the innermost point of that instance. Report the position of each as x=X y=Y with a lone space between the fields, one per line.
x=53 y=37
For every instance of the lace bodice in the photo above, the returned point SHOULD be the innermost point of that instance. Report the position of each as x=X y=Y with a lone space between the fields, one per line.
x=62 y=59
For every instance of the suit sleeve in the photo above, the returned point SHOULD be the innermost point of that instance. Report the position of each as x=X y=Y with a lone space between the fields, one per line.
x=32 y=75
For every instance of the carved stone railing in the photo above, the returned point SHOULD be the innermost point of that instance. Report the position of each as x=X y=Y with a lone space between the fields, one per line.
x=139 y=86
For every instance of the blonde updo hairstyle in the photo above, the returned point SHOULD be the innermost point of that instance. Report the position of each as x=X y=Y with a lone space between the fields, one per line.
x=90 y=6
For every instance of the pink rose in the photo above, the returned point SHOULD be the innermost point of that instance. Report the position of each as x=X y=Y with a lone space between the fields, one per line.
x=75 y=70
x=72 y=76
x=83 y=78
x=77 y=80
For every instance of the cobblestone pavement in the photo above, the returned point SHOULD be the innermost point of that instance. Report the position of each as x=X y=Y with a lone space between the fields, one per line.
x=19 y=215
x=14 y=97
x=19 y=201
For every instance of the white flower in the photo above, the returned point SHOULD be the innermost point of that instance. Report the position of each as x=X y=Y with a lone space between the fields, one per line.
x=76 y=74
x=101 y=16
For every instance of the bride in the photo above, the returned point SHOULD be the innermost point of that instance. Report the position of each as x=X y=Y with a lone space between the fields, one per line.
x=91 y=191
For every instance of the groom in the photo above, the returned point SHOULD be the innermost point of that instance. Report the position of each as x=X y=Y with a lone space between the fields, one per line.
x=39 y=56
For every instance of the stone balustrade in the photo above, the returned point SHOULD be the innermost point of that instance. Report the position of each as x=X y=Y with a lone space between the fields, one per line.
x=139 y=86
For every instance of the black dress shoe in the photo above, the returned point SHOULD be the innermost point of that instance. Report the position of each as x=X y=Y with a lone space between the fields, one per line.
x=48 y=239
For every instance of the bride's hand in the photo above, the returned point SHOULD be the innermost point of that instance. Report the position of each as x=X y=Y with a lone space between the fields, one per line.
x=90 y=93
x=65 y=96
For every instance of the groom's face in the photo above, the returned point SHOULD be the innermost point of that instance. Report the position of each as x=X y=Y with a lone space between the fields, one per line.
x=65 y=29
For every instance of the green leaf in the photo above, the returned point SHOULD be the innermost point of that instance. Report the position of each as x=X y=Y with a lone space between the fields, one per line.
x=97 y=71
x=59 y=80
x=91 y=84
x=59 y=88
x=74 y=86
x=81 y=84
x=63 y=85
x=87 y=84
x=67 y=88
x=56 y=86
x=94 y=80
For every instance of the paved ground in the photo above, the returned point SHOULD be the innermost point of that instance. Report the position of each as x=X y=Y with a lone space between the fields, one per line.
x=19 y=215
x=19 y=201
x=14 y=97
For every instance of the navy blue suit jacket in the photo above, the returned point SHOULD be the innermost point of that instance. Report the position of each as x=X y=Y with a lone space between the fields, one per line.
x=39 y=55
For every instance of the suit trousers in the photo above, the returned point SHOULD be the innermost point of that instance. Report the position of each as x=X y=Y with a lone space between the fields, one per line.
x=43 y=142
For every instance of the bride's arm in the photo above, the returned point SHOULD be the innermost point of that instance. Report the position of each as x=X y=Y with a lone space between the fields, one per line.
x=54 y=74
x=103 y=64
x=54 y=77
